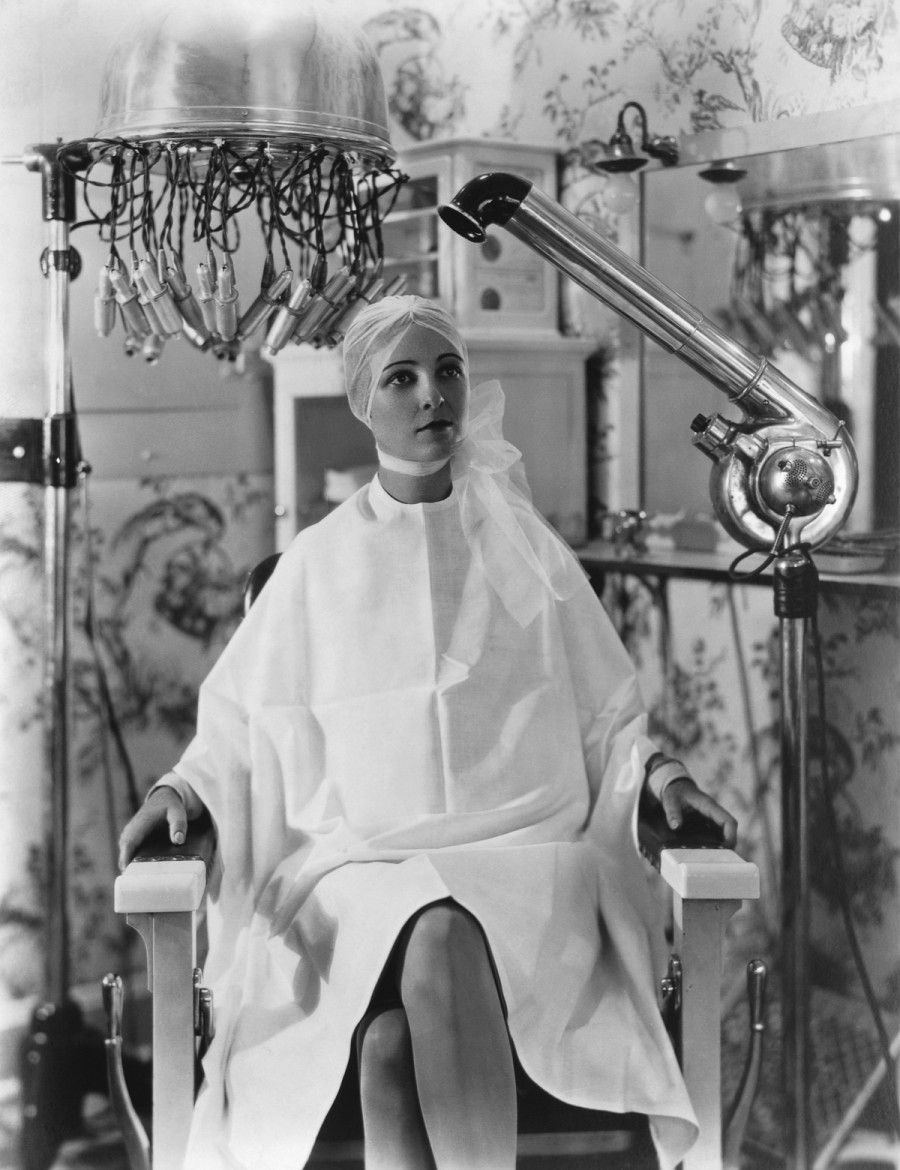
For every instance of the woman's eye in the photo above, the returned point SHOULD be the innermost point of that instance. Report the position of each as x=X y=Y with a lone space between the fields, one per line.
x=451 y=372
x=400 y=378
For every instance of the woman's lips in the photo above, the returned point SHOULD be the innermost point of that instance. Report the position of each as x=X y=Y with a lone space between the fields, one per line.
x=439 y=424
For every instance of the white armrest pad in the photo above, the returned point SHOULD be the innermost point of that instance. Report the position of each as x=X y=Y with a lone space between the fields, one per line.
x=709 y=873
x=160 y=887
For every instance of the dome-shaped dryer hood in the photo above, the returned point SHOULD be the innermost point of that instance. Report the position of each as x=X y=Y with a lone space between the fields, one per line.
x=279 y=70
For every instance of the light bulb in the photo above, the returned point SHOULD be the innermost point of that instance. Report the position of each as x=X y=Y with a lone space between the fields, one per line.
x=723 y=204
x=620 y=193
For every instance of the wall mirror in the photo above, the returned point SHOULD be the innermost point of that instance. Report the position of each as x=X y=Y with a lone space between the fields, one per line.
x=806 y=272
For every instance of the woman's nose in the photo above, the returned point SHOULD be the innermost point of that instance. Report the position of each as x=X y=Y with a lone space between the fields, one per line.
x=429 y=391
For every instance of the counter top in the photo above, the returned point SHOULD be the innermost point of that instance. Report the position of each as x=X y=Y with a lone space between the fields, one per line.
x=603 y=556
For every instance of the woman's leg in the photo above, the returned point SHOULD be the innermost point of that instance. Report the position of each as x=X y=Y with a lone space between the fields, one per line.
x=395 y=1137
x=461 y=1050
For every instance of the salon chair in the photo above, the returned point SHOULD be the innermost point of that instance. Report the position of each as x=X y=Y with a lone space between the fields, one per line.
x=162 y=891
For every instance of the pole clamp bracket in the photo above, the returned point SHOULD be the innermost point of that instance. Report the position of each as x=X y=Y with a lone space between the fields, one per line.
x=40 y=450
x=61 y=260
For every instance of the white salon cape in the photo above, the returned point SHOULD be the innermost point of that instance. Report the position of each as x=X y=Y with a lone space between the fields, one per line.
x=380 y=734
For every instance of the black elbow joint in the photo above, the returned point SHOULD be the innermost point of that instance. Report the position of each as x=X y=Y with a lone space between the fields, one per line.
x=491 y=198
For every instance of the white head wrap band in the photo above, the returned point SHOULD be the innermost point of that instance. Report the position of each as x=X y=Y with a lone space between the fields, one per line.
x=523 y=558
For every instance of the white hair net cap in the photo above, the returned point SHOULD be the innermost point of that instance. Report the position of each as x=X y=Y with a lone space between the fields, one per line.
x=373 y=336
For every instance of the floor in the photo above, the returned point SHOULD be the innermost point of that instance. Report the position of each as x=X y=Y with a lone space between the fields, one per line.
x=101 y=1149
x=99 y=1154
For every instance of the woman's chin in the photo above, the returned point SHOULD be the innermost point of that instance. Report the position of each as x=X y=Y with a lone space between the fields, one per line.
x=426 y=446
x=434 y=444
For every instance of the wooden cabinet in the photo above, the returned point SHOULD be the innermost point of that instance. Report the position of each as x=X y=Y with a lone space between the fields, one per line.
x=498 y=285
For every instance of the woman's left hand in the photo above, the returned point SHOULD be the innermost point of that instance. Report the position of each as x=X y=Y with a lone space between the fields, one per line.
x=682 y=795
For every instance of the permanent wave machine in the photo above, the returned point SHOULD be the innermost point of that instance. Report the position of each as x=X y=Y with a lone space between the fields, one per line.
x=214 y=118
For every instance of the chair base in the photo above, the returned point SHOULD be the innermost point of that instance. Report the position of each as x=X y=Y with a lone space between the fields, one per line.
x=614 y=1150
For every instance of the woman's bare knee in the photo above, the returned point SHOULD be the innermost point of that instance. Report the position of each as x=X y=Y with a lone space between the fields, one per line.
x=385 y=1052
x=440 y=932
x=445 y=951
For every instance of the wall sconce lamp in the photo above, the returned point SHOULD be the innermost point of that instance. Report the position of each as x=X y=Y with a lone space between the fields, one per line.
x=723 y=203
x=620 y=160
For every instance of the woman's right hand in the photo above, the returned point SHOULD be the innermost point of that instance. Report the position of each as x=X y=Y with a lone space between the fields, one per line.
x=164 y=805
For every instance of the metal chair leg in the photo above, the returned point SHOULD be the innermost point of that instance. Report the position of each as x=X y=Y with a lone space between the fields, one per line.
x=738 y=1113
x=137 y=1144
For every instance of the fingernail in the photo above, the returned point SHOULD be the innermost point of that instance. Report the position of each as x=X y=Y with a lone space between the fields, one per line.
x=178 y=838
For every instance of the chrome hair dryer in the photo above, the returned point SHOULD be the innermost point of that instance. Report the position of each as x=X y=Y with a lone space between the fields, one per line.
x=787 y=466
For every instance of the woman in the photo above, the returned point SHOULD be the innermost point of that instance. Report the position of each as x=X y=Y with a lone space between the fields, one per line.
x=422 y=751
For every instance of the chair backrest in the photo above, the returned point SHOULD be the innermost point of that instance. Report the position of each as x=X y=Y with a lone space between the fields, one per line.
x=257 y=577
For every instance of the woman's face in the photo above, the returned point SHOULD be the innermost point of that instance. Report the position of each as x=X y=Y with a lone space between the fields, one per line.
x=419 y=404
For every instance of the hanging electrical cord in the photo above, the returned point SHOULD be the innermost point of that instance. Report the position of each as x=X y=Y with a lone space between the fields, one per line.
x=828 y=801
x=786 y=287
x=327 y=202
x=760 y=784
x=734 y=575
x=778 y=546
x=107 y=706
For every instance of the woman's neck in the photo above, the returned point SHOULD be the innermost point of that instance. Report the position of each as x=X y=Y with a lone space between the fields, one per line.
x=417 y=489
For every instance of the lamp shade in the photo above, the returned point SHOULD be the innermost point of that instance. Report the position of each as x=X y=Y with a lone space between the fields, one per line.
x=278 y=70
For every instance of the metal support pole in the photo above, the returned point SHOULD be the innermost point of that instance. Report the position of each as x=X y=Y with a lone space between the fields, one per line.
x=61 y=1060
x=795 y=892
x=56 y=619
x=795 y=601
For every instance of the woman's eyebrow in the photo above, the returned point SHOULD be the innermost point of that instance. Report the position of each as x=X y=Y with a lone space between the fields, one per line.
x=412 y=361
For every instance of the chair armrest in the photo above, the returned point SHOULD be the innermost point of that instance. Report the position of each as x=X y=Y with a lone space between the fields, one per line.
x=692 y=859
x=167 y=878
x=712 y=874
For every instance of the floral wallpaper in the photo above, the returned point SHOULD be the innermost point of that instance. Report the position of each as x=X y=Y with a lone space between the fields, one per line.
x=842 y=38
x=709 y=661
x=425 y=100
x=158 y=564
x=561 y=68
x=157 y=570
